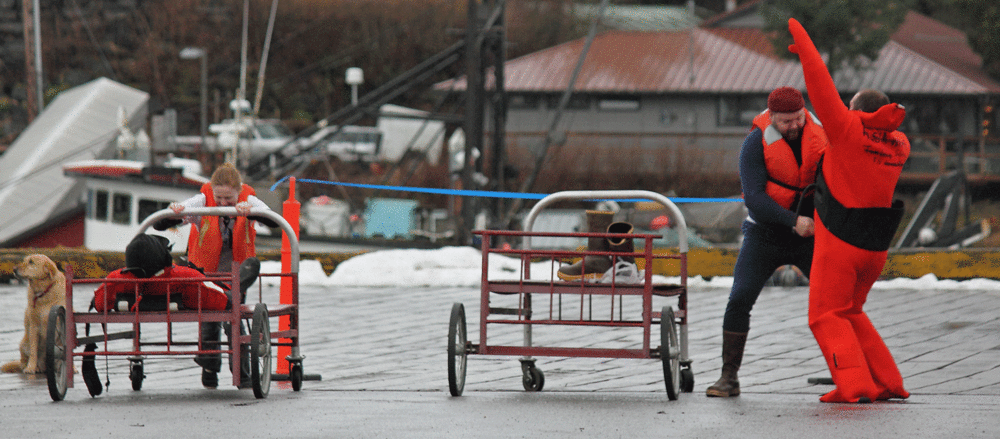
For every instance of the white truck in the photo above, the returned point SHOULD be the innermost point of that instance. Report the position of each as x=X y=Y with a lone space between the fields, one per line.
x=257 y=137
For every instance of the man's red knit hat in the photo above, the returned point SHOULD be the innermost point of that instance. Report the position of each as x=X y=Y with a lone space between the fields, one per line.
x=785 y=100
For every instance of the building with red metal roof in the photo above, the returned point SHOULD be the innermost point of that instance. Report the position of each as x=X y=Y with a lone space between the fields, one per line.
x=667 y=110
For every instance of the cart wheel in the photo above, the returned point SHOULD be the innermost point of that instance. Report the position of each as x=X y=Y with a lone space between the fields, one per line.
x=135 y=373
x=687 y=380
x=55 y=353
x=670 y=353
x=457 y=355
x=295 y=375
x=533 y=379
x=260 y=352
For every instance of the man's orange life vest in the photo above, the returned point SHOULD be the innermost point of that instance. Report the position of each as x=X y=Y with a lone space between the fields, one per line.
x=785 y=177
x=205 y=241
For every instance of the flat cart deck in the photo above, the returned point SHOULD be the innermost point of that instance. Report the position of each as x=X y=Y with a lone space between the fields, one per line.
x=576 y=298
x=63 y=338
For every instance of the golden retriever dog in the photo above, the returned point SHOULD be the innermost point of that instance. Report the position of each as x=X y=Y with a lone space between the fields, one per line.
x=46 y=288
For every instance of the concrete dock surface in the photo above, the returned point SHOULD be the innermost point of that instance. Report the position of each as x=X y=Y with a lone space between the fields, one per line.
x=380 y=356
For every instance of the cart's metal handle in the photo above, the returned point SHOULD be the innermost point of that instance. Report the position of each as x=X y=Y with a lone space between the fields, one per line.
x=675 y=213
x=293 y=240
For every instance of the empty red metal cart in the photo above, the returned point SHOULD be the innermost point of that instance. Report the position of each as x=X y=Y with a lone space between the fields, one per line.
x=571 y=303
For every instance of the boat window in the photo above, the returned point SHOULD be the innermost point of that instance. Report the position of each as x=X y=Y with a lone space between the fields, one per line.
x=121 y=209
x=99 y=210
x=149 y=207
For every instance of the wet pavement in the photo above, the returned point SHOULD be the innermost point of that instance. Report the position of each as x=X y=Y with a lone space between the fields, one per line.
x=381 y=357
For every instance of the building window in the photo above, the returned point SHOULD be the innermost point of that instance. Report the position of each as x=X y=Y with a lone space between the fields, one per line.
x=99 y=205
x=739 y=111
x=149 y=207
x=121 y=209
x=933 y=116
x=618 y=104
x=523 y=102
x=576 y=102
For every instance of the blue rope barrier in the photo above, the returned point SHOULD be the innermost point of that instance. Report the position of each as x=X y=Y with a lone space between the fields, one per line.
x=473 y=193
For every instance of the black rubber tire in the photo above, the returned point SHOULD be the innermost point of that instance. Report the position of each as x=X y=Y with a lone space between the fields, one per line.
x=295 y=376
x=55 y=353
x=135 y=374
x=260 y=352
x=457 y=356
x=687 y=380
x=670 y=353
x=533 y=379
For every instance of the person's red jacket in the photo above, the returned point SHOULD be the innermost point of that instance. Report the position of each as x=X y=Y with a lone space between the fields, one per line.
x=191 y=294
x=866 y=153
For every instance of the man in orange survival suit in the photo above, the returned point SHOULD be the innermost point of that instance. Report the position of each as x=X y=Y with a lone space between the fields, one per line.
x=856 y=219
x=777 y=162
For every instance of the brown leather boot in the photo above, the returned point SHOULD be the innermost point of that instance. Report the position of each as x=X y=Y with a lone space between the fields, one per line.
x=591 y=267
x=623 y=245
x=732 y=356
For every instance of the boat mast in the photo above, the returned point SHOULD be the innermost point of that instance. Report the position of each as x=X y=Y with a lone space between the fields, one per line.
x=32 y=58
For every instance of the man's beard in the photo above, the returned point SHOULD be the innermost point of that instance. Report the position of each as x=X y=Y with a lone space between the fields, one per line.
x=792 y=134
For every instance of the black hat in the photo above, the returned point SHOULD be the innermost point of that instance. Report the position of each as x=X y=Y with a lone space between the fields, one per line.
x=146 y=255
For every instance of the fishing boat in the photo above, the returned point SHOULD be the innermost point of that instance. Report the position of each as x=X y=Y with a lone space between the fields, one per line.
x=120 y=194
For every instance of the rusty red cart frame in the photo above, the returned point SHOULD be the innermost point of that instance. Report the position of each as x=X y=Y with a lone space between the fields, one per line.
x=63 y=338
x=671 y=320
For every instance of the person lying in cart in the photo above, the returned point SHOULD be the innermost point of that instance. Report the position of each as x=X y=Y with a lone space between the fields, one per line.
x=148 y=257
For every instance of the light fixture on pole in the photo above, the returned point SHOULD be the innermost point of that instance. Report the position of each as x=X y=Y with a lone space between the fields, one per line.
x=196 y=53
x=355 y=77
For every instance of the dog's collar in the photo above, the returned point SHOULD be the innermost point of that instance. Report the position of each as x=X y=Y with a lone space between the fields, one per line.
x=43 y=293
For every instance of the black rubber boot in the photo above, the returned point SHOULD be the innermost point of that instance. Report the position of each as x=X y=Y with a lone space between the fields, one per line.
x=249 y=271
x=210 y=363
x=732 y=356
x=209 y=379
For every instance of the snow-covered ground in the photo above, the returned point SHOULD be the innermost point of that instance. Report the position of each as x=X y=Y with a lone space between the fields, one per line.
x=462 y=267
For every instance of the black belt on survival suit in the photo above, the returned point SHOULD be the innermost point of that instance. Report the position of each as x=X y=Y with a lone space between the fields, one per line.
x=868 y=228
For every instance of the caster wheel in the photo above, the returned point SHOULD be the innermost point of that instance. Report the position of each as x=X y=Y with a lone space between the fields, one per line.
x=135 y=374
x=295 y=376
x=687 y=380
x=533 y=379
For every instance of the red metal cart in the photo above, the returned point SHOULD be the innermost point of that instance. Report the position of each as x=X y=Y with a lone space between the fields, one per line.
x=63 y=339
x=672 y=351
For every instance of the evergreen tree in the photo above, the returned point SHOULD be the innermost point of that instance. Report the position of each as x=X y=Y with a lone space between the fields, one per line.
x=983 y=30
x=979 y=19
x=849 y=32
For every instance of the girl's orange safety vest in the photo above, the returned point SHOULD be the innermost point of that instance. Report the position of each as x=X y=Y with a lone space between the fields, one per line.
x=205 y=241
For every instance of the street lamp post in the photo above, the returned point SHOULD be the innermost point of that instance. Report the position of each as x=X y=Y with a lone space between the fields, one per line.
x=196 y=53
x=354 y=77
